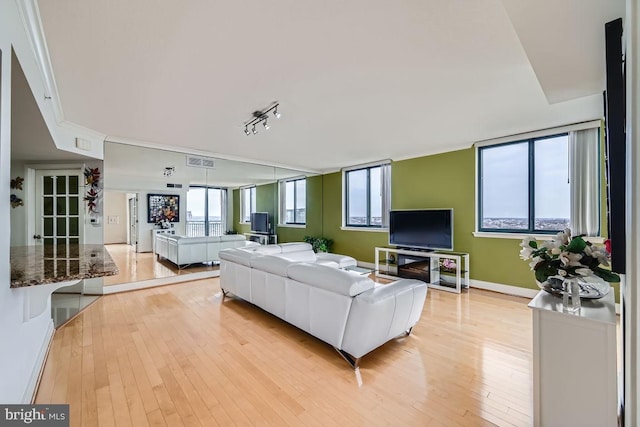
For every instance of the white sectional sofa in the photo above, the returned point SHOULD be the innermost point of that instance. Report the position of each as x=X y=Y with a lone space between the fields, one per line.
x=182 y=250
x=346 y=310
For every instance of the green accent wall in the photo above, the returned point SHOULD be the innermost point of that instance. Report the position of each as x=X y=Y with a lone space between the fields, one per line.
x=265 y=202
x=444 y=180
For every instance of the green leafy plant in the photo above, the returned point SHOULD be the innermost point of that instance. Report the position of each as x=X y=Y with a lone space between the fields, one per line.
x=565 y=256
x=319 y=244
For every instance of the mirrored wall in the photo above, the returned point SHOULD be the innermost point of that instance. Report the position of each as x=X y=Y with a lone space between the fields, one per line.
x=151 y=192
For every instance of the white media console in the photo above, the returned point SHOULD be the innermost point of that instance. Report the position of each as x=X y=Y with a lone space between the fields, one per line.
x=392 y=263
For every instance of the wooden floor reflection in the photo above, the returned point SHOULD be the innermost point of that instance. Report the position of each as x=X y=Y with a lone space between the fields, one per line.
x=179 y=354
x=137 y=267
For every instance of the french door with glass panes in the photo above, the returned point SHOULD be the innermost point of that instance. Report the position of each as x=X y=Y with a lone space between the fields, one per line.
x=59 y=208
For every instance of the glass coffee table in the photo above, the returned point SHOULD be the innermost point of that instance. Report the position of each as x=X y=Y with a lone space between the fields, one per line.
x=359 y=270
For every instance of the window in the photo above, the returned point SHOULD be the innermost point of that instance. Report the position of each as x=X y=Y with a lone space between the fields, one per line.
x=206 y=208
x=293 y=201
x=524 y=186
x=247 y=203
x=367 y=194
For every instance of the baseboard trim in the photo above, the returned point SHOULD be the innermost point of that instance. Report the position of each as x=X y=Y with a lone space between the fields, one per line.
x=34 y=379
x=504 y=289
x=134 y=286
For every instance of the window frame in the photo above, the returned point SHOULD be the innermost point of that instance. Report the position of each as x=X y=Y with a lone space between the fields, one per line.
x=283 y=201
x=385 y=197
x=530 y=188
x=223 y=205
x=252 y=203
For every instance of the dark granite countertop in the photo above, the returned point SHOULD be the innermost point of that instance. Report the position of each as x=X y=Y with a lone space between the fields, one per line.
x=40 y=265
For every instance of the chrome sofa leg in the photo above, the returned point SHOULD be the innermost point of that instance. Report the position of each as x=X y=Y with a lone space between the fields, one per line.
x=352 y=361
x=408 y=331
x=224 y=293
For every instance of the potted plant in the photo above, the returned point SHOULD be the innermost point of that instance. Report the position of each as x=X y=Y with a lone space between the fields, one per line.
x=319 y=244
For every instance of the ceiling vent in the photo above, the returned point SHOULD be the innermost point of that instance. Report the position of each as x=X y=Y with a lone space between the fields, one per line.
x=200 y=162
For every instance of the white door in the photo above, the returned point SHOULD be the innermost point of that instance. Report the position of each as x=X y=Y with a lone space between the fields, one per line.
x=59 y=218
x=133 y=223
x=59 y=207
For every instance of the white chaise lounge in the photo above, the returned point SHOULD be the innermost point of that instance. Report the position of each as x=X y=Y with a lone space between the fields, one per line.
x=342 y=308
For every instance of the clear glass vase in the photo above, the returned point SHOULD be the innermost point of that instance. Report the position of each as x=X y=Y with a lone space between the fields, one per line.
x=571 y=295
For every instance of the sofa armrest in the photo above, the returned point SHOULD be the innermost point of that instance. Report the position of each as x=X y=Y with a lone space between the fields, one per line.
x=342 y=260
x=382 y=313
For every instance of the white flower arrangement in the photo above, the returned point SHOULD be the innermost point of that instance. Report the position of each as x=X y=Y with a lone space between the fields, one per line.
x=564 y=257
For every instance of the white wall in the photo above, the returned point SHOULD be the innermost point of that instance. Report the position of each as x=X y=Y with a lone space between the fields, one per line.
x=631 y=293
x=24 y=343
x=115 y=217
x=144 y=227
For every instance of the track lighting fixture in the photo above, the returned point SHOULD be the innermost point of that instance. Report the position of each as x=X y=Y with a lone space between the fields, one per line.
x=261 y=116
x=169 y=170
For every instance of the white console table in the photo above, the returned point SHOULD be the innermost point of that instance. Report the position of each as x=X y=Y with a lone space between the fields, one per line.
x=436 y=279
x=157 y=231
x=574 y=363
x=263 y=239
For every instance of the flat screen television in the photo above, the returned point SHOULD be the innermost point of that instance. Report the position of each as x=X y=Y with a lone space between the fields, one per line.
x=260 y=222
x=422 y=229
x=616 y=160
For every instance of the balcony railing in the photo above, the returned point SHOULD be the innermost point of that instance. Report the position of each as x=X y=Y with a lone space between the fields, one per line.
x=197 y=228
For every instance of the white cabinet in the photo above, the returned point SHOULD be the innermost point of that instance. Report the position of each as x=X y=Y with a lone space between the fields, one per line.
x=574 y=363
x=263 y=239
x=447 y=271
x=157 y=231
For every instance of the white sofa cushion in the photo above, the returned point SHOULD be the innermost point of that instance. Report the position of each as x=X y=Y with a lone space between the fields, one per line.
x=268 y=249
x=239 y=256
x=331 y=279
x=232 y=237
x=271 y=264
x=295 y=247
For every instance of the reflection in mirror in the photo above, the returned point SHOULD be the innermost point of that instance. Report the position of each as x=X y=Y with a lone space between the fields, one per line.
x=154 y=198
x=47 y=200
x=299 y=204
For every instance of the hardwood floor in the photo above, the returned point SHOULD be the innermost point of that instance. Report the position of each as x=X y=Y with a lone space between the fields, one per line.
x=179 y=355
x=136 y=267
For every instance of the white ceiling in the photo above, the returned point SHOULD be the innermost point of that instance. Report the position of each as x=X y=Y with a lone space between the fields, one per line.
x=357 y=81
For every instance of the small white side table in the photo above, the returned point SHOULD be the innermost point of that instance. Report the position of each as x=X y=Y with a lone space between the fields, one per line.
x=574 y=363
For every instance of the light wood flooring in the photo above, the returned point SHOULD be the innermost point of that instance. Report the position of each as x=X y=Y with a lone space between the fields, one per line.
x=137 y=267
x=180 y=355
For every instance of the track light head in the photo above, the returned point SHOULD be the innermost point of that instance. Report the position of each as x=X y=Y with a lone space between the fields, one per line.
x=261 y=116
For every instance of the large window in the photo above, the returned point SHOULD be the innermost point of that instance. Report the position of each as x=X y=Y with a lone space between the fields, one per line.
x=206 y=208
x=367 y=196
x=293 y=201
x=524 y=186
x=247 y=203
